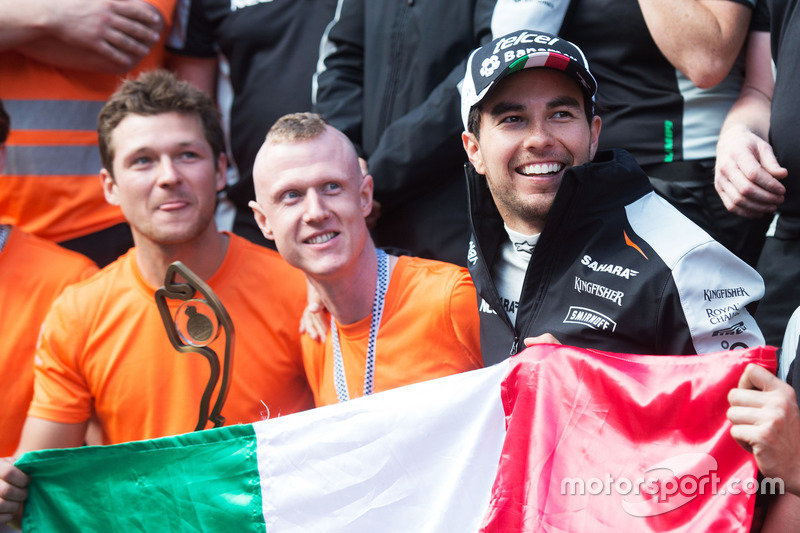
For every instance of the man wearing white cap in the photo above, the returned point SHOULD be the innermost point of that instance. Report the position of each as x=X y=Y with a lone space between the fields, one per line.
x=573 y=244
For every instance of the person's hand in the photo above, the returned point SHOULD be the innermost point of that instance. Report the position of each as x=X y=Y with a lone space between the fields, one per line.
x=13 y=489
x=544 y=338
x=110 y=32
x=314 y=321
x=766 y=422
x=747 y=177
x=123 y=30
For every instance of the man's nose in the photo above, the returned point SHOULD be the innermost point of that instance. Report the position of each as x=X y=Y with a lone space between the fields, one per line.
x=168 y=173
x=316 y=209
x=538 y=135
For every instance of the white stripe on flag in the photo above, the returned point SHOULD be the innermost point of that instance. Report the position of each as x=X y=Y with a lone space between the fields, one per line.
x=418 y=458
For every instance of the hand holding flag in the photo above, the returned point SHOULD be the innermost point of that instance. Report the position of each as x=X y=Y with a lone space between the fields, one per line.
x=766 y=422
x=13 y=490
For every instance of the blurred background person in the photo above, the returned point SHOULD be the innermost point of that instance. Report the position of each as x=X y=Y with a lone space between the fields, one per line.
x=59 y=62
x=33 y=272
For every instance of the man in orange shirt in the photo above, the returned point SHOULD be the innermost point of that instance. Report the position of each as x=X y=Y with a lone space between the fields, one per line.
x=33 y=272
x=396 y=320
x=59 y=62
x=104 y=351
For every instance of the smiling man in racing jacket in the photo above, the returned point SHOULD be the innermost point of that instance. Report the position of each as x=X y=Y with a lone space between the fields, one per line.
x=572 y=245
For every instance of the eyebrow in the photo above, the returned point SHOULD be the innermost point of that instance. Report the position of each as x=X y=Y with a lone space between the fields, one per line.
x=560 y=101
x=500 y=108
x=564 y=101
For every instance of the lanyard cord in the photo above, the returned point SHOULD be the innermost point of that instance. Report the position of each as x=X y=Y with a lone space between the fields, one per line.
x=5 y=231
x=339 y=378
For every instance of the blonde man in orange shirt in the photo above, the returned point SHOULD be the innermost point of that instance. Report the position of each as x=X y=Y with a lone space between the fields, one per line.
x=396 y=320
x=104 y=351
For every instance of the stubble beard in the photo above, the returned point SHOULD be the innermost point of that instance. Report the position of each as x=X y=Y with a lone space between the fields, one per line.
x=518 y=211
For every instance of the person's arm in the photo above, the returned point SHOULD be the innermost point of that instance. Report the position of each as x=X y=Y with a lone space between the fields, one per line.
x=191 y=46
x=99 y=35
x=783 y=515
x=789 y=345
x=747 y=175
x=766 y=421
x=701 y=38
x=199 y=71
x=41 y=434
x=37 y=434
x=338 y=84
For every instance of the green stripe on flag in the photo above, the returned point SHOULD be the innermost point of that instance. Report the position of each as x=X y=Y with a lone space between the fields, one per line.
x=165 y=485
x=519 y=64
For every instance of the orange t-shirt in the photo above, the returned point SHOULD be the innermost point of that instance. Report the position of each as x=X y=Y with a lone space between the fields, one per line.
x=105 y=349
x=52 y=187
x=32 y=273
x=429 y=329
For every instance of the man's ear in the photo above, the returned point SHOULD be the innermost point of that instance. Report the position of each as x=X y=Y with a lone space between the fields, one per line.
x=594 y=128
x=261 y=220
x=365 y=194
x=109 y=187
x=473 y=150
x=222 y=172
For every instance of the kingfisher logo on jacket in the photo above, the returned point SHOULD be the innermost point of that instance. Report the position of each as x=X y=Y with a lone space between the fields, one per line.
x=714 y=294
x=581 y=285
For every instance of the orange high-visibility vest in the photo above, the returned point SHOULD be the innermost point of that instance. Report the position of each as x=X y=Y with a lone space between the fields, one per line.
x=51 y=186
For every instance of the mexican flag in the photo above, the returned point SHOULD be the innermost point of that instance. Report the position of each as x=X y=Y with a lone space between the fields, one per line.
x=554 y=439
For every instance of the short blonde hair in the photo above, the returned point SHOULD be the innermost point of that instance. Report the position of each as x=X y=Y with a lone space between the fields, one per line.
x=296 y=127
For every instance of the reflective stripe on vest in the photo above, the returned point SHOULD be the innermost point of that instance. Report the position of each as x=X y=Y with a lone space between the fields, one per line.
x=53 y=114
x=47 y=156
x=52 y=160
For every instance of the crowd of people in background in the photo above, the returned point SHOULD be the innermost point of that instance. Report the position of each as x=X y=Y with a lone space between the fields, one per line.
x=440 y=185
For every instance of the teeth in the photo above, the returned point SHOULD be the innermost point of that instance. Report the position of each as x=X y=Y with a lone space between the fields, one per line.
x=541 y=169
x=319 y=239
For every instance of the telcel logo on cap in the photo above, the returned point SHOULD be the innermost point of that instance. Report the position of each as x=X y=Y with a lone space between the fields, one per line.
x=524 y=38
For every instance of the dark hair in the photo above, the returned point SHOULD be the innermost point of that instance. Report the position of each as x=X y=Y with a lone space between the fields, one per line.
x=474 y=120
x=5 y=123
x=154 y=93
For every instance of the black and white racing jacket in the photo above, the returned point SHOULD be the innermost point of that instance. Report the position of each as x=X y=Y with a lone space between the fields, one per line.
x=616 y=268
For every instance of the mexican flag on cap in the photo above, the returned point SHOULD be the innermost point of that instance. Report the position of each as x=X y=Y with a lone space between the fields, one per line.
x=554 y=439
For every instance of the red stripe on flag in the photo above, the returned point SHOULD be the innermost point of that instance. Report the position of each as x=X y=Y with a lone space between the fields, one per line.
x=605 y=442
x=557 y=61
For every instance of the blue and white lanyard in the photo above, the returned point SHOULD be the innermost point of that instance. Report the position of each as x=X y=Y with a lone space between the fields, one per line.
x=5 y=231
x=339 y=379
